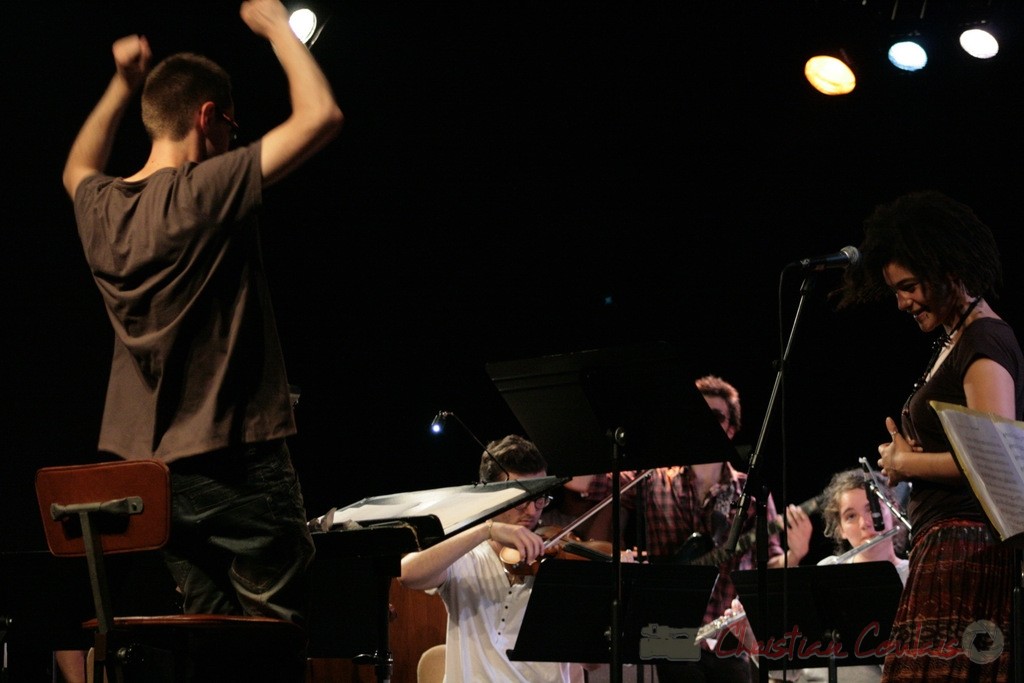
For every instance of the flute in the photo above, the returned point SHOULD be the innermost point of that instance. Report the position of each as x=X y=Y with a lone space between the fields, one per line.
x=853 y=552
x=713 y=627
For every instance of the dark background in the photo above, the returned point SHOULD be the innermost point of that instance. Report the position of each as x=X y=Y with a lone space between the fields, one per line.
x=518 y=179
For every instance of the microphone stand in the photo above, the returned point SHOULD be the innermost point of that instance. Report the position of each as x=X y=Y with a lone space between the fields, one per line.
x=753 y=475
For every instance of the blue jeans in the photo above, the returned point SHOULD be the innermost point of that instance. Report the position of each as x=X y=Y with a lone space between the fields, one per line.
x=239 y=542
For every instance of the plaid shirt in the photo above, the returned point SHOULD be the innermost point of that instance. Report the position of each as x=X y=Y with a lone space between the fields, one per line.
x=672 y=515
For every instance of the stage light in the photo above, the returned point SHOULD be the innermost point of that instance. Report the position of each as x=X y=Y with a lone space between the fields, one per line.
x=917 y=35
x=979 y=43
x=307 y=22
x=908 y=55
x=830 y=75
x=303 y=23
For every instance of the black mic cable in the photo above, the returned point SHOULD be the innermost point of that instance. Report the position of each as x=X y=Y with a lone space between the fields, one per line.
x=437 y=427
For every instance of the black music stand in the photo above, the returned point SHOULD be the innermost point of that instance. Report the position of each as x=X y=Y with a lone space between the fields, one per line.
x=573 y=405
x=837 y=615
x=663 y=606
x=637 y=405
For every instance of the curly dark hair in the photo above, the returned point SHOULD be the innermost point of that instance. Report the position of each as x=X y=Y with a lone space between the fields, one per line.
x=515 y=453
x=937 y=238
x=848 y=480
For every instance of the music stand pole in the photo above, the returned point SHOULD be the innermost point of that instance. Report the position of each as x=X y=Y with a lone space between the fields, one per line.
x=833 y=668
x=618 y=438
x=762 y=566
x=753 y=475
x=383 y=658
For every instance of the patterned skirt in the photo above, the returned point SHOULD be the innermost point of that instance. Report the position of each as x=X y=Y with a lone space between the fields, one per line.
x=954 y=618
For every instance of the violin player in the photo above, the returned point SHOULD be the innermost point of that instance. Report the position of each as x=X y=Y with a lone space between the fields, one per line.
x=486 y=602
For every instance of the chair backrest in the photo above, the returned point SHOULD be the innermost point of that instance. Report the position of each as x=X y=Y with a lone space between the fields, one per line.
x=430 y=668
x=130 y=498
x=125 y=506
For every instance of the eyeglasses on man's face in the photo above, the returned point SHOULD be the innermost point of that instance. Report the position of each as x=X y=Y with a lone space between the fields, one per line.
x=540 y=503
x=234 y=126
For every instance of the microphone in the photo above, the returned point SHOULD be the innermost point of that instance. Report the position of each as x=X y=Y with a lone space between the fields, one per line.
x=437 y=427
x=876 y=509
x=847 y=256
x=871 y=490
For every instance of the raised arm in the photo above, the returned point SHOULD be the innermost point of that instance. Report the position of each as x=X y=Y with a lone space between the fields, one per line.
x=91 y=149
x=315 y=117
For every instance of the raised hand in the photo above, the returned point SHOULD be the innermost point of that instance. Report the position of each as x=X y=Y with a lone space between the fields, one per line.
x=798 y=532
x=132 y=56
x=262 y=15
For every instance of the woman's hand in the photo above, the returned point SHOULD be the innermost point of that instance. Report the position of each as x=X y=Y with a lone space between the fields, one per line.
x=891 y=454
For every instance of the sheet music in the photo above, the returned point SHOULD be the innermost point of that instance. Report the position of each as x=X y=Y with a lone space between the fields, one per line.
x=990 y=449
x=453 y=507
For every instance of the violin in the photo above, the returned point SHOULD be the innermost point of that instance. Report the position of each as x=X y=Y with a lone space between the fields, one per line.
x=561 y=543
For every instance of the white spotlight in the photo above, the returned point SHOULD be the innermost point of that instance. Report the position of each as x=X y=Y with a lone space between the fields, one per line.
x=979 y=43
x=303 y=23
x=908 y=55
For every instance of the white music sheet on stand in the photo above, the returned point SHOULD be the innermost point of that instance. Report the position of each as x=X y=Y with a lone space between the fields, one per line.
x=450 y=508
x=990 y=451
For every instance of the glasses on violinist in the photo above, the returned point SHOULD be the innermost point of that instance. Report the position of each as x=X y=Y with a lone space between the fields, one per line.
x=540 y=503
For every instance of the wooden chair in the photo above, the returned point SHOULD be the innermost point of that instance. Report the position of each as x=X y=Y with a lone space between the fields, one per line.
x=123 y=507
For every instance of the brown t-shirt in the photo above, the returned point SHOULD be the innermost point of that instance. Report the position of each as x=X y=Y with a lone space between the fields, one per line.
x=197 y=363
x=931 y=502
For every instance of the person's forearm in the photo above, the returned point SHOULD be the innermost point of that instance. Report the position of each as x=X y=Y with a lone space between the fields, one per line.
x=315 y=118
x=308 y=88
x=936 y=467
x=92 y=146
x=425 y=569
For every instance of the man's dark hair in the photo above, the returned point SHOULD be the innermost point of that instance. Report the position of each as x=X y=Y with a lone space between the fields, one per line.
x=176 y=88
x=713 y=386
x=515 y=454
